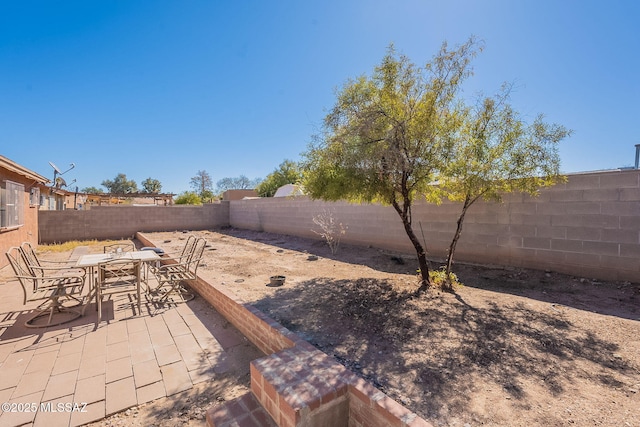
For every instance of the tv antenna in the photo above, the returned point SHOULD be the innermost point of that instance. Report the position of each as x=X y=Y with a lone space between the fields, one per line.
x=56 y=171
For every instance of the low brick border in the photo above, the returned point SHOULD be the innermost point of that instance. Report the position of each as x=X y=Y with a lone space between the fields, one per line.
x=297 y=384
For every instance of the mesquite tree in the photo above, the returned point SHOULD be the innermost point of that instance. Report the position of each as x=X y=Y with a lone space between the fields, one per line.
x=389 y=136
x=496 y=152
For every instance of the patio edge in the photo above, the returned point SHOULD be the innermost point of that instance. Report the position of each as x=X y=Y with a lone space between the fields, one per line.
x=295 y=383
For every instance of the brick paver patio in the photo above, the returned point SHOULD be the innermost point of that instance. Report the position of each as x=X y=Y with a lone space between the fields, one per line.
x=87 y=373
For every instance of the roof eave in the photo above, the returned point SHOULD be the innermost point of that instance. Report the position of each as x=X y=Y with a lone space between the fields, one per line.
x=14 y=167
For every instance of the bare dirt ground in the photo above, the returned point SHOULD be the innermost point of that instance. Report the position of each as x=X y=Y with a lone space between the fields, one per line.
x=513 y=347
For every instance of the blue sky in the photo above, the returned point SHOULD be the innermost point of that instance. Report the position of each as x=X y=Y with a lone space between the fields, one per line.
x=163 y=89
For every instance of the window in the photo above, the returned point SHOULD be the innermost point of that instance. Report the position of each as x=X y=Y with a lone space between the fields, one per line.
x=34 y=196
x=11 y=204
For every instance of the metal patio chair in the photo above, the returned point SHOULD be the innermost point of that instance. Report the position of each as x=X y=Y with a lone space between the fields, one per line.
x=54 y=287
x=172 y=275
x=45 y=267
x=182 y=254
x=118 y=275
x=118 y=249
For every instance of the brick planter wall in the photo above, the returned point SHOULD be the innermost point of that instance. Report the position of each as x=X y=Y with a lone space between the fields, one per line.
x=295 y=384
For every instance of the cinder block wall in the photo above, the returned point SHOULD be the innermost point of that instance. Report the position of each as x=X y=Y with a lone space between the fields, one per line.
x=113 y=222
x=588 y=227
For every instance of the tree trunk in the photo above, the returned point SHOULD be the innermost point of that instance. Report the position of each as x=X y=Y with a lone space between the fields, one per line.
x=423 y=263
x=454 y=241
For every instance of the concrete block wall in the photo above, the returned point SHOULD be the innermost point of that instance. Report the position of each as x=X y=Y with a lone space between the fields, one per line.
x=366 y=224
x=114 y=222
x=588 y=226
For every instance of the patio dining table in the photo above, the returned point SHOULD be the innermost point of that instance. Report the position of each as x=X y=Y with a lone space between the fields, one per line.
x=90 y=262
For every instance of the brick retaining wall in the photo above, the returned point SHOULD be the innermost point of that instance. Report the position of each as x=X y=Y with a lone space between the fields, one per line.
x=296 y=384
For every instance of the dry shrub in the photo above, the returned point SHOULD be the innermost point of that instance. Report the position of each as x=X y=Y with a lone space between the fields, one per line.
x=331 y=229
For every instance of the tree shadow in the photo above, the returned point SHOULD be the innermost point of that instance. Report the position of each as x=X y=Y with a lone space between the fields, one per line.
x=426 y=351
x=620 y=299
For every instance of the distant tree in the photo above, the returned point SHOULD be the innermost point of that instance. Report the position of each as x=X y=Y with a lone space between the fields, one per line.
x=202 y=185
x=388 y=136
x=188 y=198
x=150 y=185
x=496 y=152
x=288 y=172
x=92 y=190
x=238 y=183
x=120 y=185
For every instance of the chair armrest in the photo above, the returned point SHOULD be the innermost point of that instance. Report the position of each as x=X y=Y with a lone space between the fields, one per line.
x=69 y=268
x=173 y=265
x=50 y=278
x=173 y=252
x=46 y=261
x=172 y=255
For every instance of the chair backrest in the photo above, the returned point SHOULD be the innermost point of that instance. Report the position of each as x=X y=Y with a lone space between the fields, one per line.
x=31 y=259
x=21 y=268
x=187 y=250
x=119 y=272
x=124 y=246
x=196 y=255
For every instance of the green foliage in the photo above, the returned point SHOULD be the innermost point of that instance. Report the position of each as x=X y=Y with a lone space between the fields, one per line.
x=288 y=172
x=120 y=185
x=150 y=185
x=389 y=135
x=188 y=198
x=444 y=280
x=496 y=152
x=207 y=196
x=92 y=190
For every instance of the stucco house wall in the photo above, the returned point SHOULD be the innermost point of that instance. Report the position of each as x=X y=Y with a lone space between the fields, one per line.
x=28 y=231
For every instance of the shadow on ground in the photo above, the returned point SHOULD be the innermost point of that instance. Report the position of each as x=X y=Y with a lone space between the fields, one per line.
x=621 y=299
x=427 y=351
x=230 y=359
